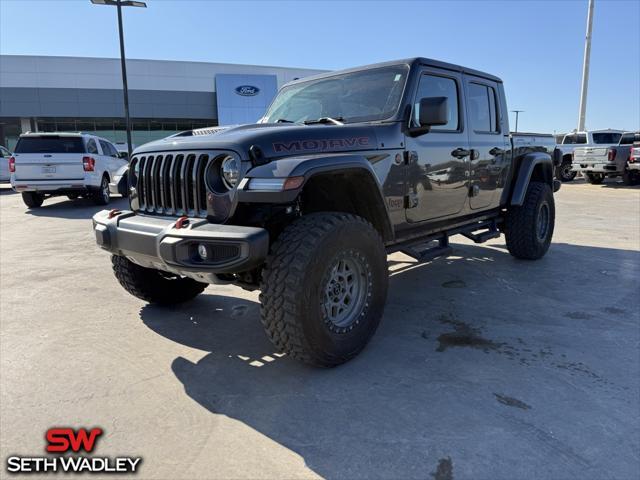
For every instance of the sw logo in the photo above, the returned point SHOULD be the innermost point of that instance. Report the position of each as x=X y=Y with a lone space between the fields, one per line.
x=65 y=440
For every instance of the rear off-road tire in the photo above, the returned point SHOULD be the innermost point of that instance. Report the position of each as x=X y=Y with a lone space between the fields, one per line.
x=154 y=286
x=529 y=227
x=32 y=199
x=324 y=287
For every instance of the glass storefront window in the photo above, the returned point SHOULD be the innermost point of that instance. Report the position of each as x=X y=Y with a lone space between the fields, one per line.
x=112 y=129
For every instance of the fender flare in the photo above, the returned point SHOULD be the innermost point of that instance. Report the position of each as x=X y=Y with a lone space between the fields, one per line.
x=528 y=164
x=309 y=166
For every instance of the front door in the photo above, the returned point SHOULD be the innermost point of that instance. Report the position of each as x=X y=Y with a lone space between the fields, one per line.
x=437 y=168
x=490 y=143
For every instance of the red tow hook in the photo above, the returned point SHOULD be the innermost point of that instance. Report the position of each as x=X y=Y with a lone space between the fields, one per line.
x=114 y=212
x=182 y=222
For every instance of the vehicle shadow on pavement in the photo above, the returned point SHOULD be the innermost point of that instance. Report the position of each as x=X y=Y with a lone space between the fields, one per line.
x=82 y=208
x=479 y=357
x=608 y=183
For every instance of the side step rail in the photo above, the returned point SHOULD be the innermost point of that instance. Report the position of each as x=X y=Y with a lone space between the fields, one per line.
x=481 y=237
x=423 y=249
x=427 y=252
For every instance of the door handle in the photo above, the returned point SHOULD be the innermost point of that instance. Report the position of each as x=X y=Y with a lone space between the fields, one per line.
x=460 y=153
x=496 y=151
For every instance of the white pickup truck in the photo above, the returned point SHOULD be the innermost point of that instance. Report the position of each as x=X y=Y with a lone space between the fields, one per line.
x=71 y=164
x=591 y=138
x=596 y=163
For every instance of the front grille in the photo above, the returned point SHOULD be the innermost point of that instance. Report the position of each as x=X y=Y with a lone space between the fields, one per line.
x=173 y=183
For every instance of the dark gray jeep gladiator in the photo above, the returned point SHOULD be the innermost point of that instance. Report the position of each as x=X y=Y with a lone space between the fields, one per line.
x=343 y=168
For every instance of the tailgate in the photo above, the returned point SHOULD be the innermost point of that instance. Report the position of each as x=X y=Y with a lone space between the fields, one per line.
x=49 y=157
x=49 y=166
x=590 y=154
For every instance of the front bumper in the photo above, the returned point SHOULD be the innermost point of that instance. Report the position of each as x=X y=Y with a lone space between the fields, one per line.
x=155 y=242
x=599 y=167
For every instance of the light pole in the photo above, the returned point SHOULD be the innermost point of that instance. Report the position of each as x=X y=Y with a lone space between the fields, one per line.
x=517 y=112
x=585 y=69
x=119 y=4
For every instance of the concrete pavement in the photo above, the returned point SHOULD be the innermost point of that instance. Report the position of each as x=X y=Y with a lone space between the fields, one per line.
x=483 y=366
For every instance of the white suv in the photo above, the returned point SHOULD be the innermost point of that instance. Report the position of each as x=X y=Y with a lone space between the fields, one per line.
x=71 y=164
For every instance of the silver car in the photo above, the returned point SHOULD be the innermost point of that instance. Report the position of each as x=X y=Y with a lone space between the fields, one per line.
x=4 y=164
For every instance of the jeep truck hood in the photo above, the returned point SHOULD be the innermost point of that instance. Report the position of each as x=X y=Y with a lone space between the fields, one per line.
x=275 y=140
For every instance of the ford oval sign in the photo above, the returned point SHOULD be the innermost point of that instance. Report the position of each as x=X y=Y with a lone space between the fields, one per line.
x=247 y=90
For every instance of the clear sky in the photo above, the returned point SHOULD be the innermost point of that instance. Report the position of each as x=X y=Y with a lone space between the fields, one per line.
x=535 y=46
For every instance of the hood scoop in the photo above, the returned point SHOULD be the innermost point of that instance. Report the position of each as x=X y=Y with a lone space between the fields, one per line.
x=200 y=131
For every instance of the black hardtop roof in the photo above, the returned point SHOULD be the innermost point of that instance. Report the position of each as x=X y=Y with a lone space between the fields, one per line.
x=408 y=61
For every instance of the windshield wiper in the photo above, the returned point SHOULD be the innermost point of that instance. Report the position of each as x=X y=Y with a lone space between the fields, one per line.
x=327 y=120
x=284 y=120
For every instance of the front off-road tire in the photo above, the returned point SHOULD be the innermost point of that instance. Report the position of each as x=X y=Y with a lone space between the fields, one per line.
x=154 y=286
x=32 y=199
x=564 y=172
x=529 y=227
x=324 y=287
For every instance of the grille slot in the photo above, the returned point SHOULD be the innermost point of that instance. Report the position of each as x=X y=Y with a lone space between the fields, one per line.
x=173 y=183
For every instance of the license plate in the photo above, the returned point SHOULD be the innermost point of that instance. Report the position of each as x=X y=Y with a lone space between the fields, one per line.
x=48 y=169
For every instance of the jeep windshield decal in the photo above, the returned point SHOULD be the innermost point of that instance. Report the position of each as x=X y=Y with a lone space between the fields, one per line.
x=360 y=96
x=321 y=145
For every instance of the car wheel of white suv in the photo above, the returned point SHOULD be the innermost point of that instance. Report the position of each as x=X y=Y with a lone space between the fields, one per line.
x=102 y=196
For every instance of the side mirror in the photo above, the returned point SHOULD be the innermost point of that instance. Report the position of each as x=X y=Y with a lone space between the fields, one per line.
x=123 y=155
x=432 y=111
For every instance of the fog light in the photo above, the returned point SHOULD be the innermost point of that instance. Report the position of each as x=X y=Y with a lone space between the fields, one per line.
x=203 y=251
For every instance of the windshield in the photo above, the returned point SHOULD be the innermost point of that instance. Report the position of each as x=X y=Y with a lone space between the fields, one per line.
x=50 y=144
x=610 y=138
x=363 y=96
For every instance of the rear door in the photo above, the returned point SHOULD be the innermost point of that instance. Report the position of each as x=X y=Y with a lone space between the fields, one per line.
x=49 y=157
x=488 y=140
x=109 y=162
x=437 y=170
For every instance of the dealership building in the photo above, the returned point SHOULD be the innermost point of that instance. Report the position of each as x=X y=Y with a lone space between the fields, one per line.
x=56 y=94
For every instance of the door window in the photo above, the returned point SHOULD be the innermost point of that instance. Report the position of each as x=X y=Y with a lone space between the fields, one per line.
x=92 y=147
x=107 y=149
x=575 y=139
x=482 y=108
x=112 y=149
x=436 y=86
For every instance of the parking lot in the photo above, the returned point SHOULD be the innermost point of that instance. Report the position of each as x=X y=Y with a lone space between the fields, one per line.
x=483 y=366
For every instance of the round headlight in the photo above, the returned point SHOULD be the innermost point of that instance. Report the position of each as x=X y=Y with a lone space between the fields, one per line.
x=229 y=172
